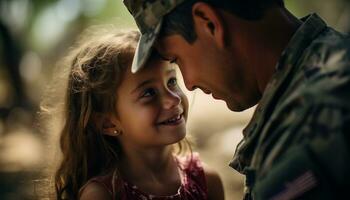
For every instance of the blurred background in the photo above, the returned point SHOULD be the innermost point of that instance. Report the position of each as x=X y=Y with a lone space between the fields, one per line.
x=35 y=35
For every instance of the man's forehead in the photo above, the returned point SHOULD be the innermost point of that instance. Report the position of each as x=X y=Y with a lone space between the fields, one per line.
x=159 y=44
x=161 y=48
x=165 y=45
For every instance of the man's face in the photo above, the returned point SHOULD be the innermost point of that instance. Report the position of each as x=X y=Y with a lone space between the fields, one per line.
x=214 y=70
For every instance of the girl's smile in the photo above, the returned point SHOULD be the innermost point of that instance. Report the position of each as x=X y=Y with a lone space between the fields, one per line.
x=175 y=118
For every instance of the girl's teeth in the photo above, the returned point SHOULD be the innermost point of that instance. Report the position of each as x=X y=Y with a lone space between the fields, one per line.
x=174 y=119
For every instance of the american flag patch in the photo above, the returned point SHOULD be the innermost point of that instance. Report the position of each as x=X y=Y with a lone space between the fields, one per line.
x=297 y=187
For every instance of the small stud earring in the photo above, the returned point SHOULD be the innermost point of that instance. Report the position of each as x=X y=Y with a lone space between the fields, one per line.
x=116 y=132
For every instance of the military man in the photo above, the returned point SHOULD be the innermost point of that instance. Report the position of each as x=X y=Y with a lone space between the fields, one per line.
x=249 y=52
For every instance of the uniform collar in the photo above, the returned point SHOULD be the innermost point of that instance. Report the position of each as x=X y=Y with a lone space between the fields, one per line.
x=306 y=33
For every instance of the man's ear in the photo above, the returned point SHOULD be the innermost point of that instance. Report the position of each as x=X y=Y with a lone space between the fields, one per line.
x=208 y=20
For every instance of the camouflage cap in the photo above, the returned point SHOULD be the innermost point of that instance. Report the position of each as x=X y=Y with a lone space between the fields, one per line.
x=148 y=15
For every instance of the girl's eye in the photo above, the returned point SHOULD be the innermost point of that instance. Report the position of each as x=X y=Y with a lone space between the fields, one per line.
x=172 y=82
x=148 y=93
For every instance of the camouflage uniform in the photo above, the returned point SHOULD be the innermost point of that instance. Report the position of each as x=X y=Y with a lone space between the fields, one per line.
x=297 y=144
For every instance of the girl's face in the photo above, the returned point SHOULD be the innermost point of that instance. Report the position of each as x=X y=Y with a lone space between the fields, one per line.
x=151 y=107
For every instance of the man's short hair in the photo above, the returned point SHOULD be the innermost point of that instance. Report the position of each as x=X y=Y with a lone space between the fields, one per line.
x=180 y=21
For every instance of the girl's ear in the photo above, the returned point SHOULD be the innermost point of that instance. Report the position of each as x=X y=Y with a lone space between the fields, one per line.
x=107 y=124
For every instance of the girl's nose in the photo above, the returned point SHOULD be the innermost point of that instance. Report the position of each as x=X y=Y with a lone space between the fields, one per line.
x=171 y=99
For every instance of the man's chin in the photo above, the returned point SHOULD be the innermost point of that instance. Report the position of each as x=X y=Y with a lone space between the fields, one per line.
x=238 y=107
x=235 y=108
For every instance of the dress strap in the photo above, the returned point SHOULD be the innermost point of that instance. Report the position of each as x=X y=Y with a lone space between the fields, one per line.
x=194 y=173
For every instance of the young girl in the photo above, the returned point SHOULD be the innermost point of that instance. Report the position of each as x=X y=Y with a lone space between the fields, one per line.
x=119 y=129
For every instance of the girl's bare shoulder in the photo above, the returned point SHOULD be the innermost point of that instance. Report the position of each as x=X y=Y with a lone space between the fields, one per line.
x=94 y=190
x=214 y=183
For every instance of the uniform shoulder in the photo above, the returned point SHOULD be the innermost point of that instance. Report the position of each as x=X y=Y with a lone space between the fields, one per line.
x=326 y=69
x=329 y=52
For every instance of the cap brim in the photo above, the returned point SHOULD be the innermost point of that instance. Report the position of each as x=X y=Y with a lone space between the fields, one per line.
x=144 y=48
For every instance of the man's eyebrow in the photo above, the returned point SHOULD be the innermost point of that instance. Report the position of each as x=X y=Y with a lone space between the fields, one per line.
x=163 y=57
x=143 y=83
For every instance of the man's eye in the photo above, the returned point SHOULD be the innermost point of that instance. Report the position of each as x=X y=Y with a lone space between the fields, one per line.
x=172 y=82
x=173 y=61
x=148 y=93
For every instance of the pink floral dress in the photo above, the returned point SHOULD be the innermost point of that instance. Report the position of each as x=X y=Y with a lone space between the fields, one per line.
x=193 y=183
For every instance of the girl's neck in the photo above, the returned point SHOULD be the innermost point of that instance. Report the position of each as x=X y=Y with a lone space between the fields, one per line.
x=148 y=164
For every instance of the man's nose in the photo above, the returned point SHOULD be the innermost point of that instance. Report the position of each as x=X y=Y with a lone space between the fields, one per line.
x=187 y=78
x=190 y=87
x=188 y=84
